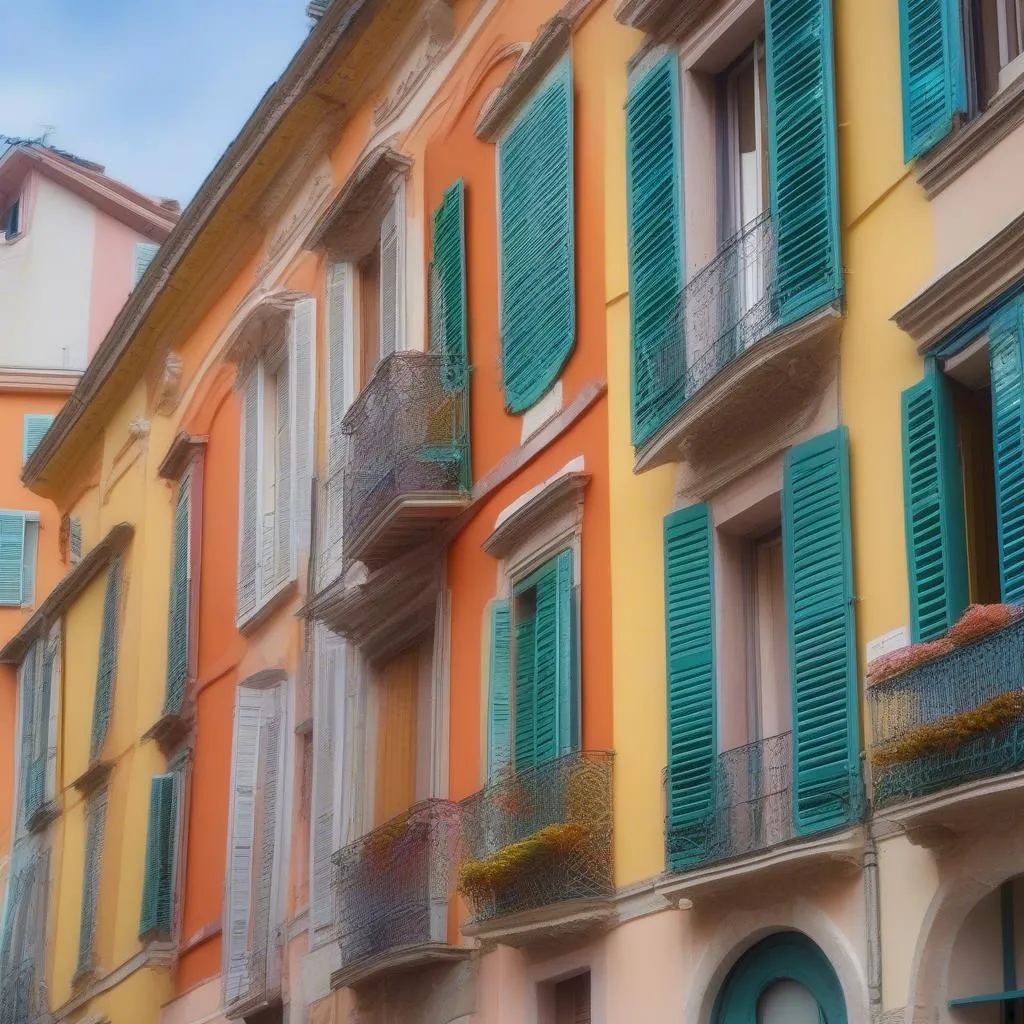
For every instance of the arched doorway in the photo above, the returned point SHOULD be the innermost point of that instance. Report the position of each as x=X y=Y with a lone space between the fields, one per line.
x=785 y=979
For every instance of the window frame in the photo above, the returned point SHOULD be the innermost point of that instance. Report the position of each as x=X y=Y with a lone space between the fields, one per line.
x=13 y=212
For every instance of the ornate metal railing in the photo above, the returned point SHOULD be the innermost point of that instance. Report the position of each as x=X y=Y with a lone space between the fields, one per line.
x=406 y=433
x=950 y=721
x=391 y=886
x=539 y=836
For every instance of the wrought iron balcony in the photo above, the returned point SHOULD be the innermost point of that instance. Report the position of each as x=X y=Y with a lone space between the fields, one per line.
x=751 y=807
x=391 y=892
x=953 y=720
x=538 y=837
x=407 y=468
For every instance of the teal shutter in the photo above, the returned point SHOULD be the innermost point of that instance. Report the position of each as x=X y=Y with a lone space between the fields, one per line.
x=566 y=653
x=934 y=77
x=96 y=814
x=499 y=709
x=1006 y=337
x=177 y=629
x=448 y=324
x=161 y=841
x=933 y=501
x=802 y=155
x=822 y=655
x=654 y=191
x=107 y=660
x=538 y=287
x=689 y=643
x=525 y=691
x=144 y=255
x=12 y=558
x=36 y=425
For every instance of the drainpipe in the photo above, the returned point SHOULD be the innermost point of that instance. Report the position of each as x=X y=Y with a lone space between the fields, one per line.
x=872 y=919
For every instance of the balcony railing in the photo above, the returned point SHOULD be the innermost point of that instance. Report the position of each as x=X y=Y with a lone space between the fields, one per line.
x=391 y=886
x=953 y=720
x=407 y=467
x=539 y=837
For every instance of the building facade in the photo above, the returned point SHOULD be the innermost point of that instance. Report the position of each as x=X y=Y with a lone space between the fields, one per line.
x=573 y=450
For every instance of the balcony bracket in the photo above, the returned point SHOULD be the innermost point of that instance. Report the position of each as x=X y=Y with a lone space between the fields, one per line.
x=572 y=917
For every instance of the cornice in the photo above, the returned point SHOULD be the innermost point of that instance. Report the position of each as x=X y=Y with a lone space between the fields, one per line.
x=554 y=498
x=53 y=382
x=184 y=448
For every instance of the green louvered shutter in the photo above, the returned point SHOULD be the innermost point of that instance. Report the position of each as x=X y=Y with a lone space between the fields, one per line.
x=107 y=660
x=655 y=245
x=802 y=155
x=158 y=887
x=499 y=709
x=525 y=691
x=934 y=509
x=12 y=558
x=689 y=643
x=35 y=427
x=566 y=654
x=96 y=815
x=1006 y=337
x=177 y=627
x=932 y=65
x=822 y=655
x=448 y=325
x=538 y=287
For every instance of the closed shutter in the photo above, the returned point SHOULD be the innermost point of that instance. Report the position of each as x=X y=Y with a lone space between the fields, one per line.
x=161 y=840
x=331 y=654
x=36 y=426
x=249 y=534
x=178 y=624
x=819 y=584
x=74 y=540
x=269 y=800
x=655 y=245
x=499 y=709
x=448 y=323
x=109 y=638
x=28 y=681
x=330 y=526
x=538 y=286
x=689 y=640
x=934 y=508
x=303 y=401
x=1005 y=339
x=96 y=816
x=50 y=705
x=12 y=558
x=390 y=279
x=145 y=252
x=284 y=543
x=934 y=79
x=802 y=155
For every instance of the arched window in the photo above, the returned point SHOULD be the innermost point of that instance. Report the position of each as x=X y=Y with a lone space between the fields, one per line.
x=785 y=979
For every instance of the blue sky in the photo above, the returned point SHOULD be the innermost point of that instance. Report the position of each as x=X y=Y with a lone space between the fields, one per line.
x=153 y=89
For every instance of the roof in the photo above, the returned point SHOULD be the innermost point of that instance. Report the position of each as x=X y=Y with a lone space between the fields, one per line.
x=217 y=232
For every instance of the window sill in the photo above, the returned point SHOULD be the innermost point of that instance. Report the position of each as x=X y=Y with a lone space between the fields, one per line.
x=248 y=625
x=173 y=730
x=937 y=169
x=93 y=777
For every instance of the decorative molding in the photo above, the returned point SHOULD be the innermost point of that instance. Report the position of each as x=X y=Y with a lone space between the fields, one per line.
x=173 y=732
x=398 y=961
x=184 y=448
x=555 y=498
x=966 y=288
x=969 y=142
x=138 y=427
x=168 y=386
x=210 y=930
x=308 y=202
x=42 y=382
x=155 y=954
x=662 y=19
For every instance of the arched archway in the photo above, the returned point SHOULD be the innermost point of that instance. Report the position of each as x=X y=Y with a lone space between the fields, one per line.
x=784 y=978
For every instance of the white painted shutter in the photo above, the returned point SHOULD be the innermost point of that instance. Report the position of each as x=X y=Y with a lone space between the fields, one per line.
x=284 y=543
x=390 y=276
x=328 y=698
x=303 y=377
x=338 y=304
x=249 y=539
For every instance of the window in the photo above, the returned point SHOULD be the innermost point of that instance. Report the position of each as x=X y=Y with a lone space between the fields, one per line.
x=253 y=909
x=145 y=252
x=95 y=826
x=19 y=539
x=106 y=671
x=179 y=634
x=378 y=295
x=36 y=425
x=572 y=1000
x=11 y=221
x=23 y=932
x=158 y=893
x=993 y=40
x=39 y=695
x=276 y=464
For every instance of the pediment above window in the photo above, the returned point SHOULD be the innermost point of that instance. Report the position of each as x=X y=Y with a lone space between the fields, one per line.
x=262 y=326
x=662 y=19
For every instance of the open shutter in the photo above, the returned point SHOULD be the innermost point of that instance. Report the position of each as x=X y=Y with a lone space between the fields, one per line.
x=96 y=816
x=655 y=244
x=12 y=558
x=390 y=272
x=538 y=286
x=27 y=683
x=330 y=521
x=327 y=731
x=802 y=155
x=249 y=534
x=525 y=691
x=934 y=78
x=303 y=400
x=499 y=709
x=50 y=707
x=107 y=669
x=822 y=655
x=284 y=542
x=546 y=672
x=1005 y=339
x=158 y=887
x=177 y=628
x=36 y=426
x=448 y=323
x=689 y=640
x=145 y=253
x=934 y=509
x=565 y=654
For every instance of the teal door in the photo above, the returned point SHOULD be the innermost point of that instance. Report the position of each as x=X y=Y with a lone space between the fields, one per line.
x=785 y=979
